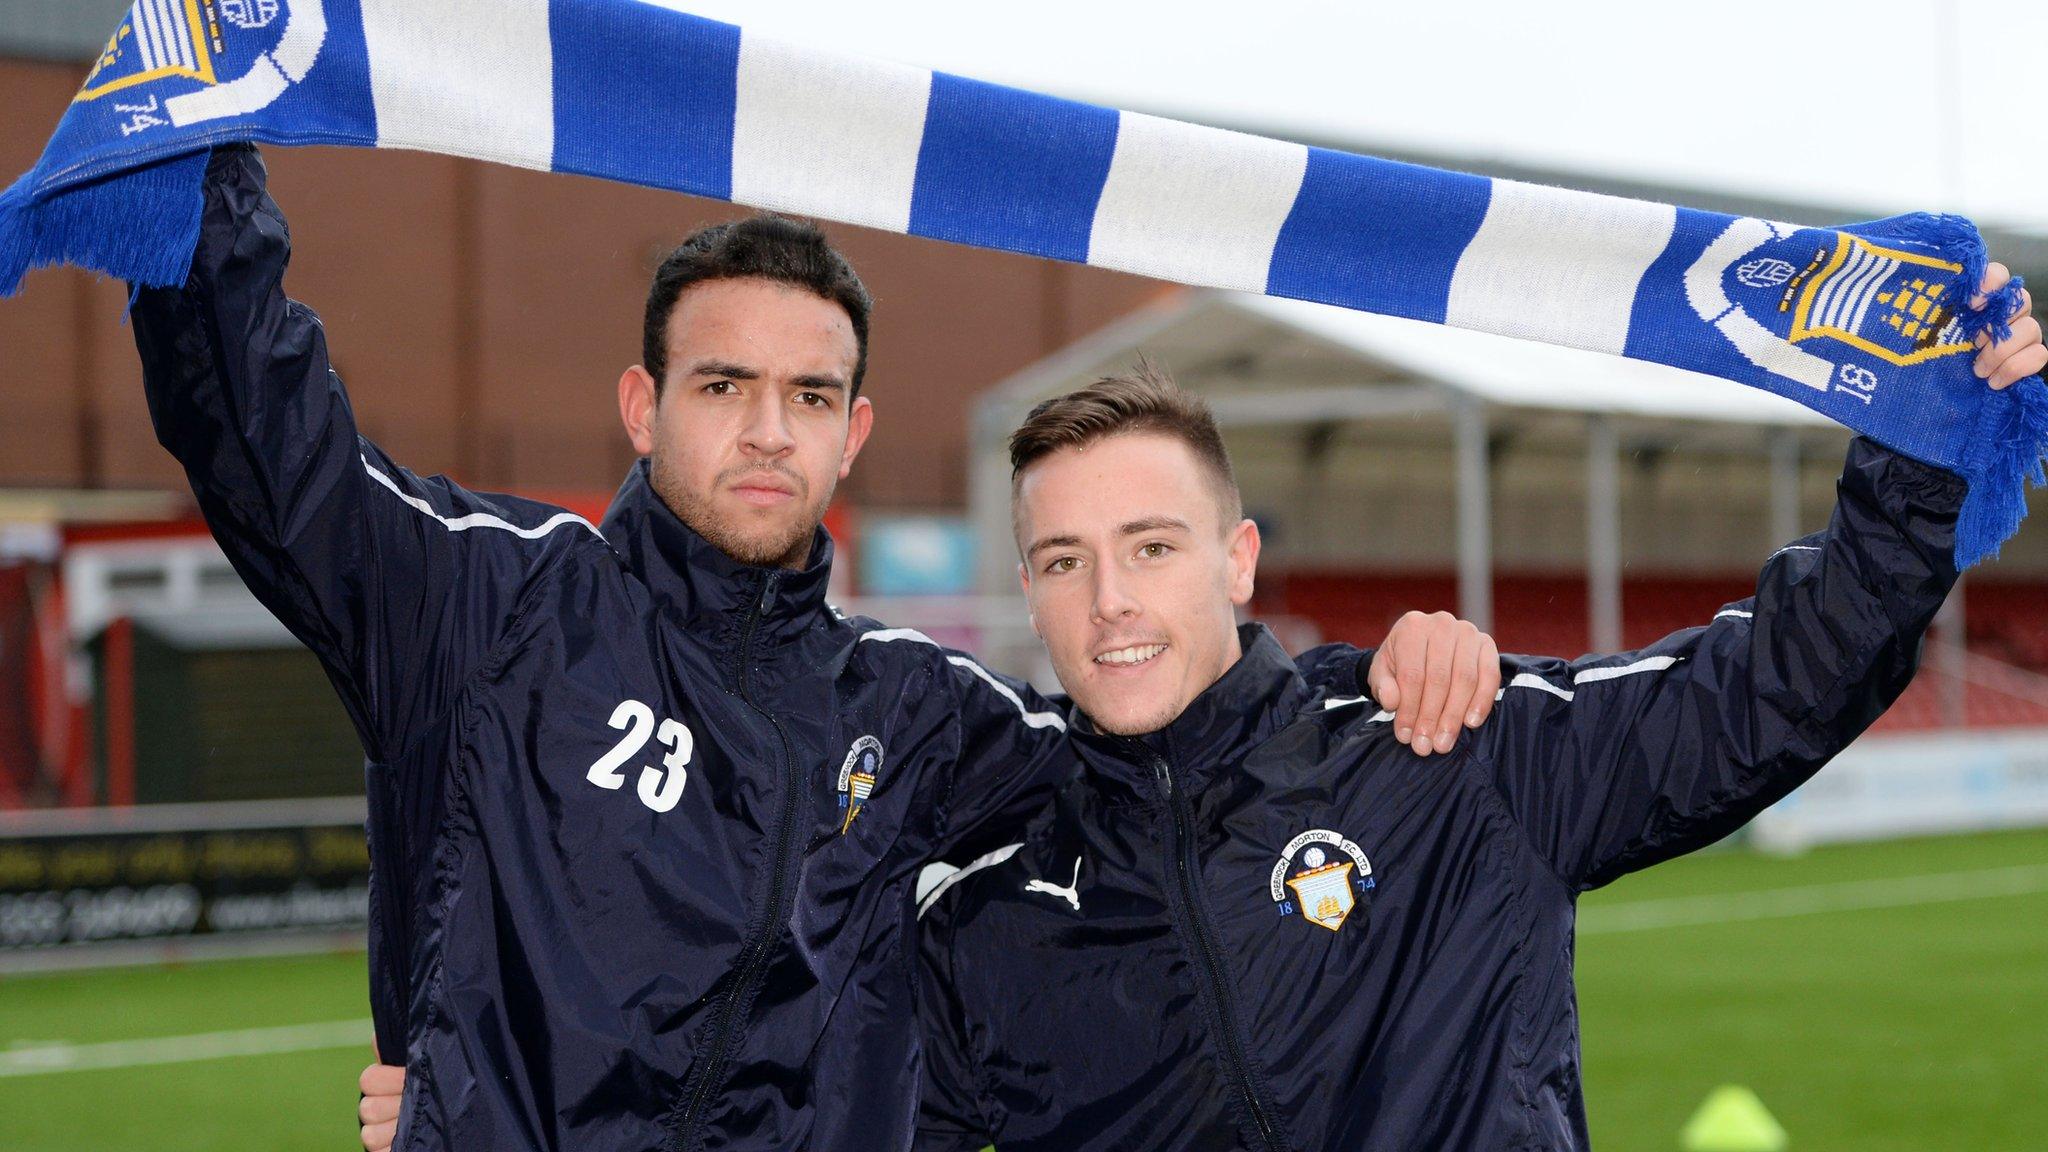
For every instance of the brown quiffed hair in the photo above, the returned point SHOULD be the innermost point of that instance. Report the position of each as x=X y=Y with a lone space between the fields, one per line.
x=1144 y=400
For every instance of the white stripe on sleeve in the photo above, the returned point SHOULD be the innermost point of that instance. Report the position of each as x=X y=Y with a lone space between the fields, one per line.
x=1646 y=664
x=937 y=877
x=1588 y=676
x=1378 y=717
x=477 y=519
x=1531 y=680
x=1031 y=719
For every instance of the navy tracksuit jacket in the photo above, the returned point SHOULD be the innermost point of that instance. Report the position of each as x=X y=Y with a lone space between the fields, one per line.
x=1270 y=927
x=617 y=900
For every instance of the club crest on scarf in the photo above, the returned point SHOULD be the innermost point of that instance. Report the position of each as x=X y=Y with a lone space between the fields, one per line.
x=1830 y=310
x=857 y=778
x=1890 y=303
x=1321 y=875
x=177 y=62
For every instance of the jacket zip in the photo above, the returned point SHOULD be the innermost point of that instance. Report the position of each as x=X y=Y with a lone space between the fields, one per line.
x=1206 y=951
x=754 y=958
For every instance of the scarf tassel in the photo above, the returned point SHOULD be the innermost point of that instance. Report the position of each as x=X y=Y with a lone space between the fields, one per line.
x=139 y=226
x=2010 y=437
x=2003 y=459
x=1956 y=238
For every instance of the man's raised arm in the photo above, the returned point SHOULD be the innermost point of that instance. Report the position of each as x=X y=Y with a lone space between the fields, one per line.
x=1613 y=763
x=398 y=584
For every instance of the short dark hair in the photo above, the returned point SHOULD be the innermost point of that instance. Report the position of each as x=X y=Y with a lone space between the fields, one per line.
x=766 y=247
x=1143 y=400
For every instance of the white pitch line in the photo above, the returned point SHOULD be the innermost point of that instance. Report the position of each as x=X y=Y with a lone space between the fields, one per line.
x=41 y=1059
x=1634 y=916
x=1848 y=896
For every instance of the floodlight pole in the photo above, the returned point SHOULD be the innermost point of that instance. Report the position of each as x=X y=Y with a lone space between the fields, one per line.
x=988 y=500
x=1475 y=514
x=1951 y=640
x=1785 y=468
x=1603 y=534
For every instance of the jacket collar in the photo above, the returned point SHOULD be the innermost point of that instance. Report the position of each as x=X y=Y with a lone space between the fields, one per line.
x=703 y=590
x=1253 y=699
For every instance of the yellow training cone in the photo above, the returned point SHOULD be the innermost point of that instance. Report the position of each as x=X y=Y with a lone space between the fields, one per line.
x=1733 y=1120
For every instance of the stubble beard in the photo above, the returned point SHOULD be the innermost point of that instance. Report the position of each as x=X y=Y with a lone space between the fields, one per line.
x=788 y=546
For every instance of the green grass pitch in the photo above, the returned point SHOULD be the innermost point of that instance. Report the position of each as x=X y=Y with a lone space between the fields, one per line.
x=1879 y=998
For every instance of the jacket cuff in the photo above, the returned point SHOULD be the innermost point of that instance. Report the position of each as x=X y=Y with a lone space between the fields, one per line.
x=1904 y=486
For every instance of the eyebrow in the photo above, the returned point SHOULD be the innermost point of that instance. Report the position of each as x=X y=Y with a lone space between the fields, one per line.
x=1045 y=542
x=1154 y=524
x=731 y=371
x=1132 y=528
x=723 y=368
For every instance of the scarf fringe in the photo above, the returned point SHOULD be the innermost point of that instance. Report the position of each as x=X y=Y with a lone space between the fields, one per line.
x=15 y=232
x=2003 y=459
x=2010 y=437
x=139 y=226
x=1956 y=238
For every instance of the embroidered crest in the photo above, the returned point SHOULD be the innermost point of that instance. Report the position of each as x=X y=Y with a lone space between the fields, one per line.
x=1831 y=314
x=180 y=62
x=1321 y=875
x=857 y=777
x=1885 y=301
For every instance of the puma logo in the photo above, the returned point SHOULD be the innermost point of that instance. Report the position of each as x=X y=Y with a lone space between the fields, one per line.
x=1071 y=893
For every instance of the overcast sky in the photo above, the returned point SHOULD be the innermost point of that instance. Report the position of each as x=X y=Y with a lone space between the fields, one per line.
x=1828 y=101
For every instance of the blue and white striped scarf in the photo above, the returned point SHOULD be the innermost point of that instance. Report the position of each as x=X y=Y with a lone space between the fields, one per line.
x=1867 y=324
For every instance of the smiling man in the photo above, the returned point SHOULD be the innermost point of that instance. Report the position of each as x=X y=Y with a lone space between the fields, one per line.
x=1137 y=647
x=1247 y=924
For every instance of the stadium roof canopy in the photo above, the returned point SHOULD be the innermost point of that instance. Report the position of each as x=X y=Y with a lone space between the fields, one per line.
x=1265 y=363
x=1302 y=348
